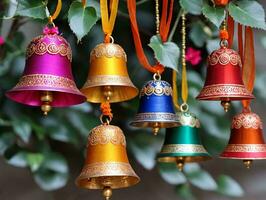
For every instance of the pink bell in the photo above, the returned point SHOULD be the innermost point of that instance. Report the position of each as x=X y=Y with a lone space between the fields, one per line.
x=47 y=80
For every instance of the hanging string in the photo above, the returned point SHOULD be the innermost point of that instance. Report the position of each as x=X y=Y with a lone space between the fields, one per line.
x=106 y=109
x=231 y=30
x=108 y=22
x=56 y=13
x=84 y=3
x=163 y=31
x=184 y=86
x=157 y=17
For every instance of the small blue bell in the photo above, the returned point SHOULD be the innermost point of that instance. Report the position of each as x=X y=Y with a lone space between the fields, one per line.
x=156 y=108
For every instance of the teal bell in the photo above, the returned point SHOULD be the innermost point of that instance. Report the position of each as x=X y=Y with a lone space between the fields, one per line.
x=183 y=144
x=156 y=108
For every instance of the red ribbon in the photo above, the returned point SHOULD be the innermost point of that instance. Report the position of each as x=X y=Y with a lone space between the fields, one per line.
x=164 y=31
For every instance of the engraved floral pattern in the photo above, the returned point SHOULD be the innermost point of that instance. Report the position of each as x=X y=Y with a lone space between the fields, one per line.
x=157 y=88
x=183 y=148
x=108 y=50
x=45 y=80
x=220 y=90
x=224 y=56
x=104 y=134
x=245 y=148
x=39 y=47
x=247 y=120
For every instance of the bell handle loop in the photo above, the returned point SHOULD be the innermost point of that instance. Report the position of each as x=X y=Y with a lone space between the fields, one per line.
x=108 y=38
x=224 y=43
x=107 y=118
x=52 y=17
x=157 y=76
x=184 y=107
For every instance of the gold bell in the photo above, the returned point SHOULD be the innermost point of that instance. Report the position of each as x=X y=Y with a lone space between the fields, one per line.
x=108 y=77
x=106 y=166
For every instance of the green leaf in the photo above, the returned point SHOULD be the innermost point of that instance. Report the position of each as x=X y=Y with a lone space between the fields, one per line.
x=170 y=173
x=81 y=20
x=34 y=160
x=16 y=157
x=228 y=186
x=184 y=191
x=166 y=53
x=34 y=9
x=248 y=13
x=215 y=14
x=53 y=173
x=22 y=128
x=200 y=178
x=191 y=6
x=6 y=140
x=198 y=34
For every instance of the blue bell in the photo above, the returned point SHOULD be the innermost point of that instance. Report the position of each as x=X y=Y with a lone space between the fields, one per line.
x=156 y=108
x=183 y=144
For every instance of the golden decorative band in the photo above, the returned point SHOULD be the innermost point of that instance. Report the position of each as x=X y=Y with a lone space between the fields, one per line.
x=38 y=47
x=157 y=90
x=107 y=169
x=247 y=120
x=224 y=56
x=221 y=89
x=155 y=116
x=45 y=80
x=104 y=134
x=245 y=148
x=183 y=148
x=106 y=80
x=108 y=50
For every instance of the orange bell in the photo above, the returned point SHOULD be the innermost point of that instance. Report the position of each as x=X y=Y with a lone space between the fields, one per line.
x=246 y=141
x=224 y=81
x=106 y=166
x=108 y=77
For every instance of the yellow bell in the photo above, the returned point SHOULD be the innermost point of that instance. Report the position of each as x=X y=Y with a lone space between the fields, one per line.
x=108 y=77
x=106 y=166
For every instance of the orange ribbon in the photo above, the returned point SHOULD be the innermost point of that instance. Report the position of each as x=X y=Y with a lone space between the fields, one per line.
x=106 y=109
x=164 y=31
x=56 y=12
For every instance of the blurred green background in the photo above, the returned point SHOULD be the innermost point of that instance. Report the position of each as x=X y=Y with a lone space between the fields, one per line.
x=41 y=156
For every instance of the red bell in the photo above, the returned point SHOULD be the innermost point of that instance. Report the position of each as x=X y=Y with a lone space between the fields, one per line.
x=246 y=141
x=224 y=78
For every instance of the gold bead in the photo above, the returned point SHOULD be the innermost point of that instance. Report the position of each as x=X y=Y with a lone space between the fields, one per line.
x=107 y=91
x=180 y=163
x=46 y=107
x=156 y=128
x=47 y=96
x=226 y=105
x=247 y=163
x=107 y=193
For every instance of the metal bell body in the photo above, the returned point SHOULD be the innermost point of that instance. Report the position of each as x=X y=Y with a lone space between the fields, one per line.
x=108 y=76
x=106 y=164
x=48 y=68
x=224 y=77
x=156 y=106
x=246 y=139
x=183 y=143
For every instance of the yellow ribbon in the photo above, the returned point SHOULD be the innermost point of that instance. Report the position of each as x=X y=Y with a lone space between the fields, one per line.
x=56 y=12
x=108 y=22
x=184 y=87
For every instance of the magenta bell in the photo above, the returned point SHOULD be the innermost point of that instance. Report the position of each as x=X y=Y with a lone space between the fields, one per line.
x=47 y=80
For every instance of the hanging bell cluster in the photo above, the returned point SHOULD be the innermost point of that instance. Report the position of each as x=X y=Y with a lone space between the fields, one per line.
x=47 y=80
x=106 y=166
x=156 y=108
x=182 y=144
x=246 y=141
x=108 y=77
x=224 y=78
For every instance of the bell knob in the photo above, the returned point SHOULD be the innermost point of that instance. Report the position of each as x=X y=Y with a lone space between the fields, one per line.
x=108 y=78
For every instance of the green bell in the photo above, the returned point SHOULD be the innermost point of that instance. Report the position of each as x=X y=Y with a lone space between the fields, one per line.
x=182 y=144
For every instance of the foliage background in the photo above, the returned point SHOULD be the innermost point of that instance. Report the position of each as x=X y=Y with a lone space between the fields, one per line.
x=41 y=156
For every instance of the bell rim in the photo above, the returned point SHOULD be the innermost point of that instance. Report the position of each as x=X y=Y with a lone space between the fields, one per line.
x=161 y=124
x=80 y=98
x=133 y=181
x=87 y=93
x=243 y=158
x=187 y=158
